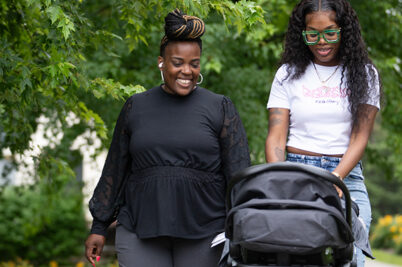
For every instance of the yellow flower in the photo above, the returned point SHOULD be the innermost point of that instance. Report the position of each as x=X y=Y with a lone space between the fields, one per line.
x=53 y=264
x=386 y=220
x=80 y=264
x=393 y=229
x=398 y=219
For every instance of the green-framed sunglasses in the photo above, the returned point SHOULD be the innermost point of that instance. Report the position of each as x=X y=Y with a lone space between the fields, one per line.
x=313 y=37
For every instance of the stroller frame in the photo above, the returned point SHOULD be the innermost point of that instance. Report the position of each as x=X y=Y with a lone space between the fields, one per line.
x=343 y=257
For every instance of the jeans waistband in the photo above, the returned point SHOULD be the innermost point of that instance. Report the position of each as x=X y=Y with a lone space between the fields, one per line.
x=307 y=157
x=316 y=158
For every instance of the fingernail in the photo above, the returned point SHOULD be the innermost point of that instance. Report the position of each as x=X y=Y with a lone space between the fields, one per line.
x=98 y=258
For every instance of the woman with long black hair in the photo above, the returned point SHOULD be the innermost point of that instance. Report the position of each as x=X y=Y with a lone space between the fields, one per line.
x=325 y=96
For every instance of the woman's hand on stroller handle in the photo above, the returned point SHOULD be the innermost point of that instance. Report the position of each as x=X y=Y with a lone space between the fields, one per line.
x=340 y=194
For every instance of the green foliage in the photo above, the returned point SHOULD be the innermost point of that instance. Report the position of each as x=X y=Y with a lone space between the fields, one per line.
x=43 y=221
x=105 y=87
x=18 y=263
x=385 y=194
x=384 y=48
x=40 y=66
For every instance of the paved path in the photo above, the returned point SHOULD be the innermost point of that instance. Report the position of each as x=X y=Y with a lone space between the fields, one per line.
x=375 y=263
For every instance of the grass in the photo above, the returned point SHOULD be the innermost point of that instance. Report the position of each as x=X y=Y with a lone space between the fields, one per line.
x=387 y=257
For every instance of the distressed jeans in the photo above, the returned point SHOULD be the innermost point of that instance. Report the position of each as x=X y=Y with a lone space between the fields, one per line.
x=354 y=182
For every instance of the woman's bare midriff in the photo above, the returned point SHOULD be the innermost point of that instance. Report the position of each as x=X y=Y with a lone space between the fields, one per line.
x=294 y=150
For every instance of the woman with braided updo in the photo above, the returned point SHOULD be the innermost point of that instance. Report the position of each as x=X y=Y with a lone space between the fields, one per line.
x=173 y=150
x=325 y=96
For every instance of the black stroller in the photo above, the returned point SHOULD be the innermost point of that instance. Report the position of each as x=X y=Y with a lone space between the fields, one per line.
x=288 y=214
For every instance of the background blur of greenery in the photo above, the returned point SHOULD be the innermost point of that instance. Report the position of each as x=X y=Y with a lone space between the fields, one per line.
x=87 y=56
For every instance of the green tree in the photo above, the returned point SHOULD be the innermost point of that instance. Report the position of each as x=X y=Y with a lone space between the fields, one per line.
x=59 y=58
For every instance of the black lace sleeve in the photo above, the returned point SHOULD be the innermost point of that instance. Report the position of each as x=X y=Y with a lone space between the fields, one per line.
x=233 y=140
x=107 y=196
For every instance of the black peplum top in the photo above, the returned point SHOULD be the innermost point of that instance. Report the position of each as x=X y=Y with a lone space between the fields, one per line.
x=168 y=165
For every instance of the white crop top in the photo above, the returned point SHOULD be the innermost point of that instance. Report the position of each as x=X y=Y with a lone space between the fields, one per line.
x=320 y=121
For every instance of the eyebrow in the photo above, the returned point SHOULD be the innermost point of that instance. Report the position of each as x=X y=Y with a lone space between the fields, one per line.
x=329 y=27
x=179 y=58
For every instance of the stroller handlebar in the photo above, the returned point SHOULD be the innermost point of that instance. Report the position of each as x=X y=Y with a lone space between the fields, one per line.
x=250 y=172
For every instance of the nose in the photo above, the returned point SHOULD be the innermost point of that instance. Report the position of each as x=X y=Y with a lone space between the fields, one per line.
x=322 y=40
x=186 y=69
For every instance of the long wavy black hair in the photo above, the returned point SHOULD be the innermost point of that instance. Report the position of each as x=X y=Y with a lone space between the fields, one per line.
x=361 y=74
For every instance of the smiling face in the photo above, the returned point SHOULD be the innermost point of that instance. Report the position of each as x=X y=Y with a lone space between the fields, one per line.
x=324 y=53
x=181 y=67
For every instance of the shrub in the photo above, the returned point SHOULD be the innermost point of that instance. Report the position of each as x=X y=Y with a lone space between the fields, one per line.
x=387 y=234
x=18 y=263
x=40 y=225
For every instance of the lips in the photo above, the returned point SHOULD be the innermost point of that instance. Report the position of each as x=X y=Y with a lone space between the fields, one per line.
x=184 y=82
x=323 y=51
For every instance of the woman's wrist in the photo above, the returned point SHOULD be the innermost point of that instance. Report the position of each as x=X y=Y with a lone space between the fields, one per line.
x=337 y=175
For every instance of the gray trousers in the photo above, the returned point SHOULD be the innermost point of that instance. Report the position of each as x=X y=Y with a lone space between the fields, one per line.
x=164 y=251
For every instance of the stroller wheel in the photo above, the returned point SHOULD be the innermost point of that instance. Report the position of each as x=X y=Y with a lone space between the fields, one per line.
x=344 y=254
x=343 y=257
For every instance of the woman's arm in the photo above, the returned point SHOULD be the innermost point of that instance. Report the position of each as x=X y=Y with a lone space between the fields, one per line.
x=278 y=126
x=233 y=141
x=108 y=192
x=358 y=141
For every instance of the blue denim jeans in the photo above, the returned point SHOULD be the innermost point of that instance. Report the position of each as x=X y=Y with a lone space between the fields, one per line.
x=354 y=182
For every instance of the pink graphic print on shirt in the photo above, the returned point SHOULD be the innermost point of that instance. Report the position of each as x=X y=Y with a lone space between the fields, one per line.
x=325 y=91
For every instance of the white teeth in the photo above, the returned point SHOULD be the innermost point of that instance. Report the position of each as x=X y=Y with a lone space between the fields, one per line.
x=184 y=81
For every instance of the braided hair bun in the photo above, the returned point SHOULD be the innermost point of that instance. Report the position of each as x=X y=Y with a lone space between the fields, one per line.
x=181 y=27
